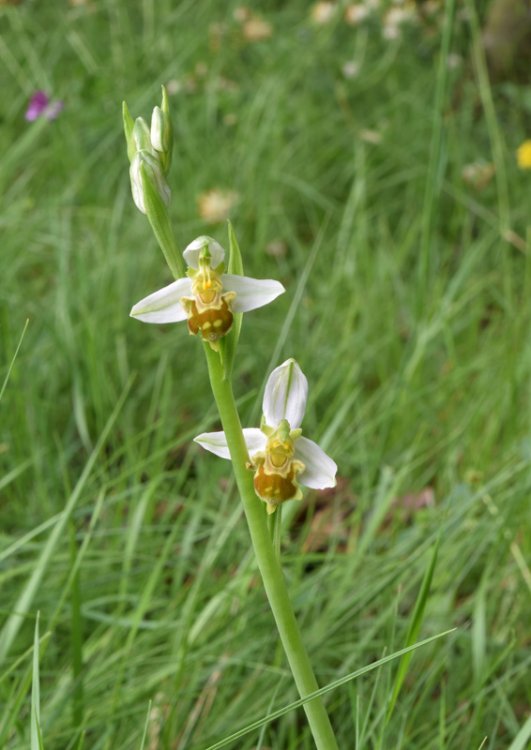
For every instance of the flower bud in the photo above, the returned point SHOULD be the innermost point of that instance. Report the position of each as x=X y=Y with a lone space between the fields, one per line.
x=145 y=166
x=161 y=132
x=141 y=136
x=157 y=128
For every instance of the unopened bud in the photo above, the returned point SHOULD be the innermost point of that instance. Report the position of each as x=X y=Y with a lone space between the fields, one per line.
x=141 y=135
x=157 y=130
x=145 y=166
x=161 y=131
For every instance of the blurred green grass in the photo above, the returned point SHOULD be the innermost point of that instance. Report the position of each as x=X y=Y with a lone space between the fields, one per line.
x=407 y=308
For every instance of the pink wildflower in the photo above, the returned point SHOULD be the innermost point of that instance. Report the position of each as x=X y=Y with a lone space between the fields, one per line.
x=41 y=106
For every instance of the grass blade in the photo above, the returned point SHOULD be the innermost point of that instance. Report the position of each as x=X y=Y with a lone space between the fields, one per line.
x=414 y=628
x=36 y=736
x=23 y=603
x=323 y=691
x=9 y=369
x=521 y=740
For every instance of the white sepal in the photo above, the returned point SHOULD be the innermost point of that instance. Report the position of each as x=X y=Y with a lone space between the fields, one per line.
x=255 y=440
x=251 y=293
x=320 y=470
x=285 y=395
x=164 y=306
x=192 y=251
x=216 y=442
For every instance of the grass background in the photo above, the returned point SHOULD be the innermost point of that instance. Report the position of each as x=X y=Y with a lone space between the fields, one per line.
x=408 y=307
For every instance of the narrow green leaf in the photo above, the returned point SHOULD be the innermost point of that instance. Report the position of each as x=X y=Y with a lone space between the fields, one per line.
x=235 y=257
x=128 y=130
x=414 y=628
x=165 y=107
x=36 y=736
x=521 y=740
x=323 y=691
x=146 y=727
x=22 y=605
x=230 y=342
x=10 y=368
x=76 y=635
x=165 y=102
x=479 y=629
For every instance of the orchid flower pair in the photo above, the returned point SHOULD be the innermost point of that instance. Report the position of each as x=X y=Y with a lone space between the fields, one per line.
x=207 y=298
x=280 y=456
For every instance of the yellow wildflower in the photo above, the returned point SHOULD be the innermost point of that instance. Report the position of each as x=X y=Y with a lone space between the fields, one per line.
x=523 y=155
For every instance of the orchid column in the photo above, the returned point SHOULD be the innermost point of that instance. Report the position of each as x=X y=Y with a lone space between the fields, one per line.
x=269 y=462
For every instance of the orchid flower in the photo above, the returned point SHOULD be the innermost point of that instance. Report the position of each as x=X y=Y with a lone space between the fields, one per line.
x=280 y=457
x=207 y=297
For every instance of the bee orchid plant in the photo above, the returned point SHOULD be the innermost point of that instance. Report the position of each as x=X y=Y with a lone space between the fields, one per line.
x=272 y=462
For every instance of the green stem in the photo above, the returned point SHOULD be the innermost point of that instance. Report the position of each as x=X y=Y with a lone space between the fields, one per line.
x=157 y=215
x=268 y=563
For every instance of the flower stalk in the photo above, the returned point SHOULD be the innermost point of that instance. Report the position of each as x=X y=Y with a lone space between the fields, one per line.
x=271 y=462
x=266 y=557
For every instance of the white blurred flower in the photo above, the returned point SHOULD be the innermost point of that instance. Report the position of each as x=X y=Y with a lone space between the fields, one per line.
x=431 y=7
x=207 y=297
x=322 y=13
x=478 y=174
x=351 y=69
x=256 y=29
x=280 y=457
x=355 y=14
x=230 y=119
x=241 y=13
x=174 y=86
x=390 y=31
x=395 y=18
x=276 y=248
x=370 y=136
x=454 y=61
x=215 y=205
x=217 y=31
